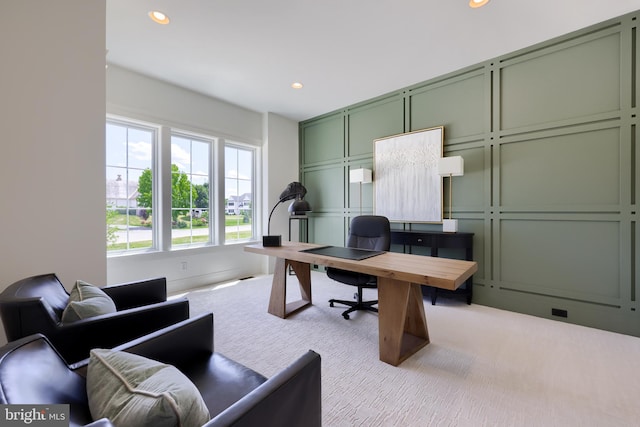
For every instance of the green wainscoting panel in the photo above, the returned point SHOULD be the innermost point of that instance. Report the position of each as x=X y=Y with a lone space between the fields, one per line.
x=372 y=121
x=327 y=230
x=475 y=226
x=592 y=315
x=552 y=171
x=325 y=188
x=468 y=190
x=323 y=140
x=578 y=260
x=572 y=170
x=566 y=81
x=459 y=104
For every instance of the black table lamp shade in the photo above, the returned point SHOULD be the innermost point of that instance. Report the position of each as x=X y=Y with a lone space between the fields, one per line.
x=299 y=207
x=294 y=190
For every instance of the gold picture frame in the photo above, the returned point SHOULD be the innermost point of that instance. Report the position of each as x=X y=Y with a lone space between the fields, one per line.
x=407 y=187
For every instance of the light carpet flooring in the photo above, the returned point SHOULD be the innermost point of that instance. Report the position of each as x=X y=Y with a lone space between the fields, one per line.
x=484 y=366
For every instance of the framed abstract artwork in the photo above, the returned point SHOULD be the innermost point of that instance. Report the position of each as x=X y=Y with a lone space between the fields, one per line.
x=407 y=187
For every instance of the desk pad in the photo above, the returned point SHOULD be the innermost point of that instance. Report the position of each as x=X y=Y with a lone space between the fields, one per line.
x=342 y=252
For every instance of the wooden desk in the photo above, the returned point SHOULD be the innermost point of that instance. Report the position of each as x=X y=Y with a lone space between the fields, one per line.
x=402 y=324
x=438 y=240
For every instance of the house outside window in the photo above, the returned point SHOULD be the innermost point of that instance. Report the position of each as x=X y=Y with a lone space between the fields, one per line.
x=239 y=192
x=129 y=162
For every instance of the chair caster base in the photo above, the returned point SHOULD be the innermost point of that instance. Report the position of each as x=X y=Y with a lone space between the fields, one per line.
x=354 y=306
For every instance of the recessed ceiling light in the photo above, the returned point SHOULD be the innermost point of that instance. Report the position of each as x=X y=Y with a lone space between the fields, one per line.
x=296 y=85
x=159 y=17
x=477 y=3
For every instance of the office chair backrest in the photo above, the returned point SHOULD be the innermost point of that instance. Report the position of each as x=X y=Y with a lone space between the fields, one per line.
x=370 y=232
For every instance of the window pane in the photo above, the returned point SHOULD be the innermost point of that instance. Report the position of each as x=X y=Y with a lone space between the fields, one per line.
x=116 y=145
x=139 y=147
x=239 y=189
x=189 y=190
x=129 y=192
x=245 y=165
x=180 y=155
x=200 y=158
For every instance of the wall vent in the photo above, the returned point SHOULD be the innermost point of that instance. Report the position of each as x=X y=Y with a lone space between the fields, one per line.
x=559 y=312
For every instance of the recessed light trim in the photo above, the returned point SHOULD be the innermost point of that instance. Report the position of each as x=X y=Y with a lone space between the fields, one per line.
x=477 y=3
x=159 y=17
x=297 y=85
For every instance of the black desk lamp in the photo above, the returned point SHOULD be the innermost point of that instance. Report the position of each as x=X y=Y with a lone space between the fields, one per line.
x=296 y=191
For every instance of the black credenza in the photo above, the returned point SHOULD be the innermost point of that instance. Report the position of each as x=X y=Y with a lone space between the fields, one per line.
x=438 y=240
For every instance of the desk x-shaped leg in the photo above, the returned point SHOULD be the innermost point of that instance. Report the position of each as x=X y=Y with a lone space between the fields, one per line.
x=278 y=305
x=401 y=320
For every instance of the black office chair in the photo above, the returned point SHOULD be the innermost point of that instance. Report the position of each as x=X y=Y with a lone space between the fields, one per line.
x=366 y=232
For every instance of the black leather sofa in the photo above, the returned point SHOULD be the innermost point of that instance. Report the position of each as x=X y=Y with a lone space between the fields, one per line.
x=32 y=372
x=35 y=305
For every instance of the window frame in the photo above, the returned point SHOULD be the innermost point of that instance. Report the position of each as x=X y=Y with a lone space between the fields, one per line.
x=155 y=132
x=161 y=177
x=211 y=142
x=254 y=185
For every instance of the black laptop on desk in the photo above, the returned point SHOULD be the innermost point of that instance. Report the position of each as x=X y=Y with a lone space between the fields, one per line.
x=342 y=252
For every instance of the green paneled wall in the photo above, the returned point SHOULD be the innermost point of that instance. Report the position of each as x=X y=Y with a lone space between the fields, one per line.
x=578 y=170
x=458 y=103
x=548 y=135
x=323 y=140
x=388 y=119
x=572 y=80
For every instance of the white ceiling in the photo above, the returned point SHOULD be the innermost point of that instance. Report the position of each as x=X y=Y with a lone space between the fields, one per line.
x=248 y=52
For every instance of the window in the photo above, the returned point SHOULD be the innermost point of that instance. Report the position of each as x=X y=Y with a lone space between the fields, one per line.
x=181 y=191
x=190 y=165
x=130 y=186
x=239 y=192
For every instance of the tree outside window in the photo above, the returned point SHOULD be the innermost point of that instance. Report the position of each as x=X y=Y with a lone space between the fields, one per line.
x=190 y=160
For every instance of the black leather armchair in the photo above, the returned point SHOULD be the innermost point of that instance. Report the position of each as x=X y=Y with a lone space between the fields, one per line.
x=35 y=305
x=31 y=371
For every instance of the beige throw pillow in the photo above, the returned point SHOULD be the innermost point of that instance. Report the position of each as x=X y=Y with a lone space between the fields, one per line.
x=132 y=390
x=86 y=300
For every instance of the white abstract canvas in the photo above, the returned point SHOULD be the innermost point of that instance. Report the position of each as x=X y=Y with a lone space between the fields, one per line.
x=407 y=187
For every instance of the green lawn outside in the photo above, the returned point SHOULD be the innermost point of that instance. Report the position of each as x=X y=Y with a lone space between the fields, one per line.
x=231 y=220
x=136 y=221
x=144 y=244
x=121 y=219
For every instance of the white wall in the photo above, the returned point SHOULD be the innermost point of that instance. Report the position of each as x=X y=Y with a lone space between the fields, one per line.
x=52 y=109
x=137 y=96
x=133 y=95
x=52 y=117
x=283 y=160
